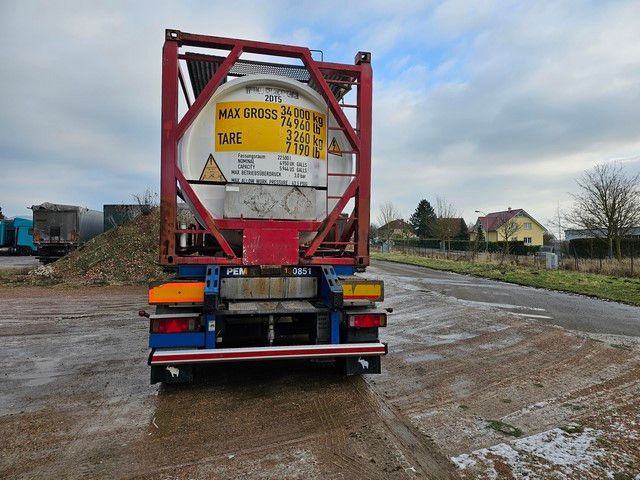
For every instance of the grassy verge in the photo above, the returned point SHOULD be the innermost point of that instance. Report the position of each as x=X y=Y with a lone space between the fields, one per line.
x=625 y=290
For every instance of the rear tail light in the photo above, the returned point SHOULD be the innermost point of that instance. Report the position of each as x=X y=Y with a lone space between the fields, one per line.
x=368 y=320
x=73 y=236
x=36 y=235
x=174 y=325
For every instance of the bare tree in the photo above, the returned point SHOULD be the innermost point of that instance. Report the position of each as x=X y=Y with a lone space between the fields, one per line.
x=387 y=214
x=147 y=201
x=507 y=228
x=557 y=222
x=548 y=238
x=444 y=228
x=607 y=204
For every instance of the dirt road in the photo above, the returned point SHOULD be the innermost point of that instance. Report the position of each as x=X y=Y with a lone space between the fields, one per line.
x=75 y=400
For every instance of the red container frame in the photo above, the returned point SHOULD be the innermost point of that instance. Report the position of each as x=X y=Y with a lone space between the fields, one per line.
x=355 y=231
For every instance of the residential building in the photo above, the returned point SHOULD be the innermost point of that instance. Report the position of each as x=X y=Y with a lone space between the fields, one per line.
x=396 y=229
x=527 y=229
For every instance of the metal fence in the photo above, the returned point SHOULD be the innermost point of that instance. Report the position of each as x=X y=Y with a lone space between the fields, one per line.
x=487 y=257
x=626 y=267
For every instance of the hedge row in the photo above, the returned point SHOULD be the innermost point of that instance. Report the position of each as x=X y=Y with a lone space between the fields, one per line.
x=431 y=243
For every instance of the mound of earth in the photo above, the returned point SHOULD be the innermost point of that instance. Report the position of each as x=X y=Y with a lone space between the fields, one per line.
x=125 y=254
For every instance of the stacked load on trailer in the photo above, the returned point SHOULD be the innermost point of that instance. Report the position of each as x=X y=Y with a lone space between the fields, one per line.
x=274 y=162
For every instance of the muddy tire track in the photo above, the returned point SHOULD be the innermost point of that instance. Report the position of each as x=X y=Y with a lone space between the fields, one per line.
x=420 y=451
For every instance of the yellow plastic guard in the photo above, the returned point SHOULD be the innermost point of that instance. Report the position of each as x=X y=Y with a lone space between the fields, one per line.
x=176 y=292
x=360 y=289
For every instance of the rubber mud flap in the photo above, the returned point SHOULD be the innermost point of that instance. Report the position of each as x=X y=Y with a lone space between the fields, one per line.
x=364 y=364
x=171 y=374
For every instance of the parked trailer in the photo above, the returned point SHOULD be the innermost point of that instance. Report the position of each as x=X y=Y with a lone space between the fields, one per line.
x=59 y=229
x=274 y=161
x=16 y=236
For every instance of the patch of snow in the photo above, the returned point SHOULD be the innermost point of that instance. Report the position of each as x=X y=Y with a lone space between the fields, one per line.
x=42 y=271
x=568 y=452
x=559 y=448
x=463 y=461
x=531 y=315
x=507 y=306
x=531 y=408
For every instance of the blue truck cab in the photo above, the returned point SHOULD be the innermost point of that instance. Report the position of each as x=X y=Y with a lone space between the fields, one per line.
x=16 y=236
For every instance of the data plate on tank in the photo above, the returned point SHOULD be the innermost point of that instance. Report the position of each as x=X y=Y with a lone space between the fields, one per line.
x=264 y=201
x=266 y=134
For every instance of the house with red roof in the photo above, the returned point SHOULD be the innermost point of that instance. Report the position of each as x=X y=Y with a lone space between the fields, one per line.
x=520 y=226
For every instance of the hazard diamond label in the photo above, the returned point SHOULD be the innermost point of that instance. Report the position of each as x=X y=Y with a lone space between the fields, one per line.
x=334 y=148
x=211 y=172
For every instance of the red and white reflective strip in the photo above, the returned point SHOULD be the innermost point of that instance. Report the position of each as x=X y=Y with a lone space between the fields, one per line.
x=165 y=357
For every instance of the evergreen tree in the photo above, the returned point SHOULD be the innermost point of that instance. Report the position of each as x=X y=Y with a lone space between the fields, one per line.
x=479 y=242
x=463 y=234
x=423 y=219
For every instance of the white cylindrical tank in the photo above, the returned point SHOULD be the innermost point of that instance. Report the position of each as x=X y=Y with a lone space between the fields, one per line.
x=261 y=149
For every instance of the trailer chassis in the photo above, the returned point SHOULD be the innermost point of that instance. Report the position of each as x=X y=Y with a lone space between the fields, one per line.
x=197 y=294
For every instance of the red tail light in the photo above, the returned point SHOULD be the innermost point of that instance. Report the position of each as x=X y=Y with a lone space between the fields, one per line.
x=368 y=320
x=174 y=325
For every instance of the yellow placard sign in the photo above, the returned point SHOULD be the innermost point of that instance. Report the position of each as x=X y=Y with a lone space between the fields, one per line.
x=334 y=148
x=270 y=127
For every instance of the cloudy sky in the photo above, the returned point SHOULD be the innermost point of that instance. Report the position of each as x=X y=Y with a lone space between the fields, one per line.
x=488 y=104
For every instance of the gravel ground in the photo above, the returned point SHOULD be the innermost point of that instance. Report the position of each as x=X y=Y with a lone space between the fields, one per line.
x=7 y=261
x=459 y=381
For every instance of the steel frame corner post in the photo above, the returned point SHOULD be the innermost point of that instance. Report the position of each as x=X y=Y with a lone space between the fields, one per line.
x=364 y=123
x=168 y=149
x=360 y=187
